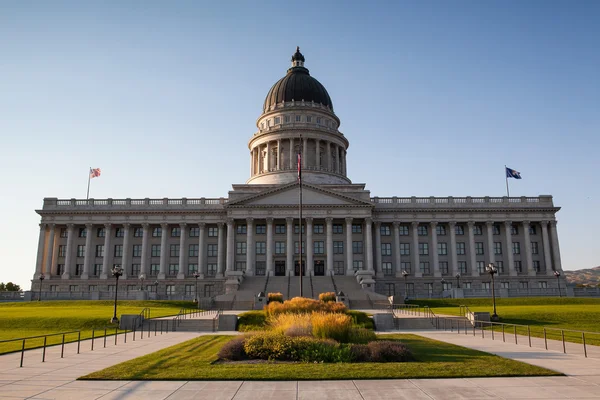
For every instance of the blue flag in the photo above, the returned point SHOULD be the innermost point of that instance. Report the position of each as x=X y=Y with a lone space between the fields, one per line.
x=511 y=173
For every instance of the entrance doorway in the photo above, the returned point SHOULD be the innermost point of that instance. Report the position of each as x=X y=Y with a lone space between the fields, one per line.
x=297 y=268
x=279 y=268
x=319 y=267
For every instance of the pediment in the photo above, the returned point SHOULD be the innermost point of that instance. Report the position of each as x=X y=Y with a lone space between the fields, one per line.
x=288 y=195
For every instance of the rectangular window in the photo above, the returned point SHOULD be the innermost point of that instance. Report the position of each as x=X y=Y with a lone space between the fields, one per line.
x=504 y=285
x=73 y=288
x=261 y=267
x=118 y=250
x=523 y=285
x=423 y=249
x=514 y=230
x=405 y=249
x=485 y=285
x=386 y=249
x=62 y=250
x=422 y=230
x=136 y=268
x=319 y=247
x=261 y=229
x=496 y=229
x=211 y=269
x=459 y=230
x=497 y=248
x=534 y=248
x=447 y=286
x=308 y=118
x=277 y=120
x=356 y=228
x=403 y=230
x=410 y=289
x=500 y=266
x=131 y=288
x=82 y=232
x=157 y=232
x=137 y=232
x=442 y=249
x=280 y=229
x=241 y=229
x=170 y=290
x=297 y=230
x=405 y=266
x=318 y=228
x=209 y=290
x=467 y=285
x=279 y=247
x=338 y=247
x=111 y=288
x=481 y=266
x=176 y=231
x=81 y=250
x=429 y=288
x=154 y=269
x=443 y=267
x=101 y=233
x=477 y=230
x=532 y=230
x=192 y=268
x=543 y=285
x=460 y=248
x=516 y=246
x=213 y=231
x=440 y=230
x=318 y=120
x=357 y=247
x=338 y=228
x=64 y=233
x=338 y=268
x=211 y=250
x=193 y=250
x=462 y=267
x=385 y=230
x=536 y=265
x=518 y=266
x=357 y=265
x=195 y=232
x=424 y=267
x=287 y=118
x=190 y=290
x=386 y=267
x=78 y=269
x=173 y=269
x=155 y=250
x=240 y=265
x=240 y=248
x=137 y=250
x=174 y=250
x=99 y=250
x=97 y=269
x=261 y=247
x=93 y=288
x=296 y=247
x=479 y=248
x=298 y=118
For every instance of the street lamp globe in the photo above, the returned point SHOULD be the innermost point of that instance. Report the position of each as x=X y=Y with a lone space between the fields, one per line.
x=457 y=276
x=557 y=275
x=142 y=277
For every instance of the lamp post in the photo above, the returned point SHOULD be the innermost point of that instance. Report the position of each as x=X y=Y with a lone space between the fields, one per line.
x=117 y=273
x=405 y=275
x=196 y=275
x=142 y=277
x=443 y=283
x=457 y=276
x=42 y=277
x=557 y=275
x=492 y=270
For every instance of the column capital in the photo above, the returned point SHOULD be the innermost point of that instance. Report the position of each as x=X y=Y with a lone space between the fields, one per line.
x=269 y=220
x=201 y=225
x=433 y=224
x=471 y=224
x=329 y=220
x=489 y=223
x=145 y=225
x=230 y=221
x=553 y=224
x=525 y=223
x=69 y=226
x=396 y=224
x=125 y=225
x=508 y=224
x=43 y=226
x=377 y=224
x=182 y=225
x=544 y=223
x=349 y=220
x=108 y=225
x=220 y=224
x=414 y=224
x=289 y=220
x=52 y=225
x=89 y=225
x=249 y=221
x=309 y=220
x=452 y=224
x=163 y=225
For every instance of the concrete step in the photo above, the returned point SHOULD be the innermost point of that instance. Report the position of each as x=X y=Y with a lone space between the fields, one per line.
x=195 y=325
x=413 y=323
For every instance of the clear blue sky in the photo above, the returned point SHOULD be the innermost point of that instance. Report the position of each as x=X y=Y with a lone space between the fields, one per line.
x=434 y=96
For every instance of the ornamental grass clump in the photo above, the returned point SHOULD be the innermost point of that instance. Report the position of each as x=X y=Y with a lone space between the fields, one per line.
x=290 y=324
x=275 y=297
x=327 y=297
x=233 y=350
x=332 y=326
x=303 y=305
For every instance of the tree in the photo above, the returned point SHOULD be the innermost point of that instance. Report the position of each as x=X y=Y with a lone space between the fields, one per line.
x=9 y=287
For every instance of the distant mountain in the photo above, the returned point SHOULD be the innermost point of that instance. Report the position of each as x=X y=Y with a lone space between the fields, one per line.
x=584 y=276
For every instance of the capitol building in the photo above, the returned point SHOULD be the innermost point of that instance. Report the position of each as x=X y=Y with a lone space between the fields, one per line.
x=250 y=238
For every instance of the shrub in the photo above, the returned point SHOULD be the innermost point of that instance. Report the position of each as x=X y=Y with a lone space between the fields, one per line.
x=233 y=350
x=361 y=319
x=359 y=352
x=331 y=326
x=361 y=335
x=252 y=321
x=327 y=297
x=282 y=323
x=275 y=297
x=388 y=351
x=303 y=305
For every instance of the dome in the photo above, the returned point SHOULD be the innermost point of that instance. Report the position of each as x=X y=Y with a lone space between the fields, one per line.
x=297 y=85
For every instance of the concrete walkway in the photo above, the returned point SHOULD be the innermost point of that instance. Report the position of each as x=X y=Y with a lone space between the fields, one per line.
x=56 y=378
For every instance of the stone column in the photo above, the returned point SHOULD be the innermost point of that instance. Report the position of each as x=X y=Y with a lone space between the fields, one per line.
x=472 y=256
x=349 y=266
x=528 y=255
x=309 y=246
x=221 y=250
x=292 y=158
x=87 y=256
x=106 y=258
x=50 y=252
x=546 y=244
x=415 y=250
x=396 y=251
x=279 y=154
x=289 y=256
x=201 y=250
x=368 y=242
x=230 y=255
x=509 y=253
x=378 y=249
x=337 y=164
x=268 y=158
x=329 y=166
x=270 y=269
x=69 y=257
x=250 y=250
x=435 y=256
x=163 y=252
x=145 y=249
x=490 y=242
x=329 y=243
x=318 y=153
x=304 y=152
x=40 y=254
x=126 y=259
x=183 y=254
x=453 y=259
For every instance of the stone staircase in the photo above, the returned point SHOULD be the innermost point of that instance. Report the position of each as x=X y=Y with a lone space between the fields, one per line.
x=196 y=325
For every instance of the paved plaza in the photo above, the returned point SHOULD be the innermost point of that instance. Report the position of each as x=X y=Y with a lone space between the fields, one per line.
x=56 y=378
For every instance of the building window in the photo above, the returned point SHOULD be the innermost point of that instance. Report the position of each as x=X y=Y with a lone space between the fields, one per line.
x=500 y=266
x=442 y=249
x=157 y=232
x=543 y=285
x=338 y=268
x=261 y=247
x=261 y=229
x=82 y=232
x=477 y=230
x=504 y=285
x=534 y=248
x=260 y=268
x=280 y=229
x=516 y=248
x=357 y=247
x=131 y=288
x=460 y=248
x=112 y=288
x=151 y=288
x=518 y=266
x=422 y=230
x=423 y=249
x=296 y=247
x=385 y=230
x=386 y=249
x=190 y=290
x=479 y=248
x=338 y=228
x=101 y=233
x=99 y=250
x=496 y=229
x=173 y=269
x=308 y=118
x=155 y=250
x=298 y=118
x=481 y=266
x=135 y=269
x=338 y=247
x=137 y=250
x=73 y=288
x=403 y=230
x=279 y=247
x=240 y=248
x=154 y=269
x=174 y=250
x=357 y=265
x=532 y=230
x=485 y=285
x=429 y=288
x=118 y=250
x=240 y=265
x=318 y=120
x=319 y=247
x=211 y=269
x=497 y=248
x=97 y=269
x=459 y=230
x=536 y=266
x=212 y=250
x=405 y=266
x=193 y=250
x=78 y=269
x=447 y=286
x=287 y=119
x=424 y=267
x=93 y=288
x=195 y=232
x=318 y=228
x=213 y=231
x=467 y=285
x=137 y=232
x=443 y=267
x=410 y=289
x=523 y=285
x=356 y=228
x=296 y=229
x=440 y=230
x=277 y=120
x=175 y=232
x=192 y=268
x=462 y=267
x=241 y=229
x=405 y=249
x=170 y=290
x=386 y=267
x=64 y=233
x=62 y=250
x=209 y=290
x=514 y=230
x=81 y=250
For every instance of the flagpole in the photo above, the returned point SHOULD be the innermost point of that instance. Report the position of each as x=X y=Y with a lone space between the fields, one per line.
x=300 y=225
x=89 y=178
x=506 y=177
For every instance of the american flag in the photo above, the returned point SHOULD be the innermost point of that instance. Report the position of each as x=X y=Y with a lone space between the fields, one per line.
x=299 y=168
x=94 y=172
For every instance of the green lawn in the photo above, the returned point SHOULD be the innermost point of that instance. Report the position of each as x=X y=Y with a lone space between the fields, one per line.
x=40 y=318
x=193 y=360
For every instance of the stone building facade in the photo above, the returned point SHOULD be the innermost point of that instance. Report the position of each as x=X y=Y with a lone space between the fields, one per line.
x=420 y=246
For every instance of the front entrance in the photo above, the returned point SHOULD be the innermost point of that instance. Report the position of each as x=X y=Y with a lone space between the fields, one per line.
x=319 y=268
x=279 y=268
x=297 y=268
